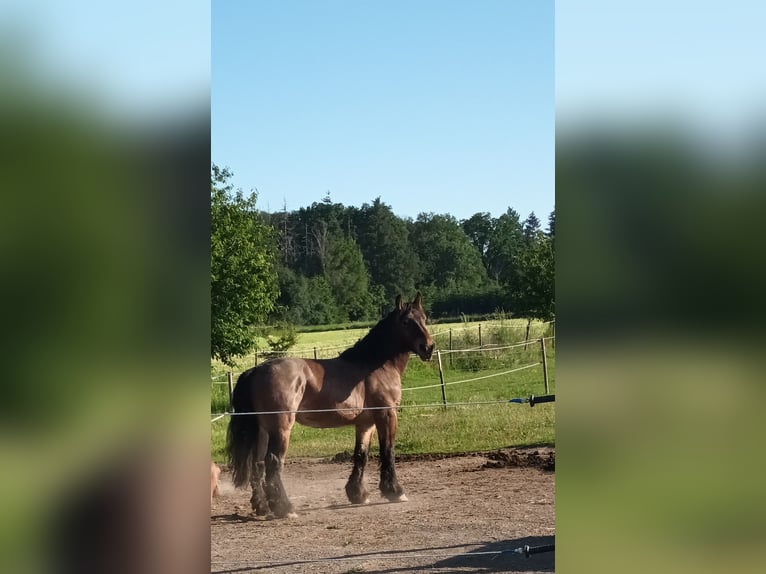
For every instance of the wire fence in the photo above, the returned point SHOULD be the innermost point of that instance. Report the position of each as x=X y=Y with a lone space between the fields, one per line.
x=449 y=365
x=471 y=335
x=515 y=400
x=470 y=380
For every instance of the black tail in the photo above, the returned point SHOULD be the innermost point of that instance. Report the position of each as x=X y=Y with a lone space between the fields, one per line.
x=242 y=438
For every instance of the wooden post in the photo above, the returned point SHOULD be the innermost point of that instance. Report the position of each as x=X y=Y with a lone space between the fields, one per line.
x=450 y=348
x=230 y=379
x=479 y=334
x=526 y=337
x=441 y=377
x=315 y=353
x=545 y=364
x=553 y=334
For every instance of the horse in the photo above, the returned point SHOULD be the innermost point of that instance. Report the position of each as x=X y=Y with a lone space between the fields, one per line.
x=361 y=387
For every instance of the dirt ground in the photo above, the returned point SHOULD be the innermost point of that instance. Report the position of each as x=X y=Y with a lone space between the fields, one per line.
x=488 y=503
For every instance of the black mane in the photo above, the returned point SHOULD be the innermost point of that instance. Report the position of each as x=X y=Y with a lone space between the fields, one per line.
x=377 y=346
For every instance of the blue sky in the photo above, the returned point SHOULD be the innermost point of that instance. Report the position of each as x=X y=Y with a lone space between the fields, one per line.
x=424 y=102
x=433 y=105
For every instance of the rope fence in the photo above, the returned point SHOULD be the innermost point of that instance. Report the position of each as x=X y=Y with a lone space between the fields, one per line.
x=493 y=350
x=517 y=400
x=216 y=379
x=322 y=352
x=472 y=380
x=490 y=347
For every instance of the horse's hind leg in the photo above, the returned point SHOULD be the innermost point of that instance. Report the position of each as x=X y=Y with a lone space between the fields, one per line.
x=385 y=422
x=355 y=490
x=258 y=501
x=275 y=491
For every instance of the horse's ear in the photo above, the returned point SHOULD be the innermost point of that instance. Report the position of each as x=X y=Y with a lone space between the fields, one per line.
x=399 y=302
x=418 y=302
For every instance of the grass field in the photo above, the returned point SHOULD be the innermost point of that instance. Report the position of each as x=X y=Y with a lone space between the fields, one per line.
x=437 y=429
x=331 y=342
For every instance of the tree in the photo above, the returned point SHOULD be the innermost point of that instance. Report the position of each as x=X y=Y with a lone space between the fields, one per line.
x=348 y=280
x=447 y=256
x=479 y=229
x=305 y=300
x=313 y=227
x=531 y=227
x=243 y=284
x=536 y=293
x=320 y=305
x=390 y=259
x=505 y=246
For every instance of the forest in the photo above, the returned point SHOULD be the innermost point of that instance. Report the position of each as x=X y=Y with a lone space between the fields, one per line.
x=328 y=263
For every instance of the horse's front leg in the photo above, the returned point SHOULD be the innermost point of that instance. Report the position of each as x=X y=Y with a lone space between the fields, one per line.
x=355 y=490
x=385 y=422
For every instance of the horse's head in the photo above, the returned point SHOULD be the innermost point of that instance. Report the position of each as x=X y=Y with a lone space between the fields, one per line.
x=411 y=323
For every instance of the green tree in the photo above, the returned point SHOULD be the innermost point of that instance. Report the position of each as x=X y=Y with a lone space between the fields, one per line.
x=305 y=300
x=390 y=258
x=347 y=277
x=448 y=258
x=293 y=302
x=504 y=250
x=243 y=284
x=321 y=308
x=536 y=292
x=530 y=227
x=479 y=229
x=307 y=233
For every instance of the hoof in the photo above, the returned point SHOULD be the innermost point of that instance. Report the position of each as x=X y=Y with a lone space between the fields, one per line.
x=260 y=509
x=366 y=500
x=291 y=515
x=396 y=497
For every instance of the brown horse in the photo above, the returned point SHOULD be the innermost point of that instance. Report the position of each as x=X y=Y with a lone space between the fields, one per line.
x=361 y=387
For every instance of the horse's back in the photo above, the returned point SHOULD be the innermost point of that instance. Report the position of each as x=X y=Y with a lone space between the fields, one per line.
x=278 y=384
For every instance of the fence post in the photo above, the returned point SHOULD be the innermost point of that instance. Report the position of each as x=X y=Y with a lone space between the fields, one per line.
x=315 y=353
x=526 y=337
x=450 y=347
x=553 y=333
x=256 y=358
x=230 y=380
x=479 y=334
x=545 y=364
x=441 y=377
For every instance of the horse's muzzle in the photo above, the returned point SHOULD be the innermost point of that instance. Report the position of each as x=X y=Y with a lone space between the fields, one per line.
x=426 y=351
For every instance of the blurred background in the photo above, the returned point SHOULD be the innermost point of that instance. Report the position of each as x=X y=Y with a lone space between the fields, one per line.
x=661 y=142
x=104 y=235
x=660 y=181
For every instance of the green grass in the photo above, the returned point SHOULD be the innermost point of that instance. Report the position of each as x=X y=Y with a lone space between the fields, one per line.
x=336 y=327
x=438 y=429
